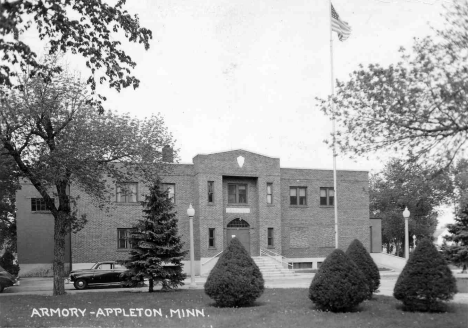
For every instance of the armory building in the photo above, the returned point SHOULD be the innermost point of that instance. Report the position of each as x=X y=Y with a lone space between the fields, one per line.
x=272 y=210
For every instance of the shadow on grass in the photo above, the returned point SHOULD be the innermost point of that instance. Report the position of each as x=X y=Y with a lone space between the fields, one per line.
x=253 y=305
x=440 y=308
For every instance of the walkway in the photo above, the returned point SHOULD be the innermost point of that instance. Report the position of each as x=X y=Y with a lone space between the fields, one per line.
x=43 y=286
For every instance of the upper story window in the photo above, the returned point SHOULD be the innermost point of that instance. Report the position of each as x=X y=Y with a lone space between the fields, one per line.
x=237 y=193
x=170 y=187
x=269 y=196
x=38 y=204
x=210 y=191
x=127 y=192
x=298 y=195
x=327 y=196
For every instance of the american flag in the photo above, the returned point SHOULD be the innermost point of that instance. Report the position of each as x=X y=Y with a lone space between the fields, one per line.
x=339 y=26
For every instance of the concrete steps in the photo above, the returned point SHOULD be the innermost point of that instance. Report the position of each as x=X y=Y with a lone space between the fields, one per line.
x=271 y=268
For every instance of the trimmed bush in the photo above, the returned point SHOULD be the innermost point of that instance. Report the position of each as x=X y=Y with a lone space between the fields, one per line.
x=235 y=280
x=358 y=253
x=7 y=261
x=339 y=285
x=426 y=281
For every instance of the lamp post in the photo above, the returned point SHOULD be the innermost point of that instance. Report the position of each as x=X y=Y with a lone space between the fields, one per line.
x=406 y=215
x=190 y=214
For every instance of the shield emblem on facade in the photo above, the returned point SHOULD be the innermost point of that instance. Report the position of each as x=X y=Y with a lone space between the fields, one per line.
x=240 y=160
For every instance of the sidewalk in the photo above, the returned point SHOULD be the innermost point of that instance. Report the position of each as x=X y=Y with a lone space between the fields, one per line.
x=43 y=286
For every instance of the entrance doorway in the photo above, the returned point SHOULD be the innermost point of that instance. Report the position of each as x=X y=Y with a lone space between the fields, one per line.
x=239 y=229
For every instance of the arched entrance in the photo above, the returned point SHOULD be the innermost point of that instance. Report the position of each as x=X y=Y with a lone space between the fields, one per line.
x=241 y=230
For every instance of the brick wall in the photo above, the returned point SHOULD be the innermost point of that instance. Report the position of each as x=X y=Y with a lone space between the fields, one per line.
x=299 y=231
x=35 y=230
x=308 y=231
x=97 y=241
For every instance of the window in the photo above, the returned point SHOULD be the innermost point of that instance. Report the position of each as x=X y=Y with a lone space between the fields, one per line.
x=269 y=193
x=297 y=195
x=270 y=237
x=127 y=192
x=327 y=196
x=210 y=191
x=104 y=266
x=38 y=204
x=302 y=265
x=170 y=187
x=122 y=238
x=211 y=238
x=237 y=193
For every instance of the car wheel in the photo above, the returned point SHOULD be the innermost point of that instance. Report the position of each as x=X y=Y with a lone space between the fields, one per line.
x=1 y=288
x=80 y=284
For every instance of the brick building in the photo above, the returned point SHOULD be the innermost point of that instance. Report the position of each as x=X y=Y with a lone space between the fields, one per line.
x=235 y=193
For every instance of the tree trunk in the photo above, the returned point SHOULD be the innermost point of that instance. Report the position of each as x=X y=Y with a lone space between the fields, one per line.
x=463 y=268
x=151 y=285
x=59 y=253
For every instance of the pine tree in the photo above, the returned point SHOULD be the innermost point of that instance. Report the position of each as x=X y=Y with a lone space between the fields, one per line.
x=156 y=252
x=457 y=252
x=235 y=280
x=358 y=253
x=426 y=280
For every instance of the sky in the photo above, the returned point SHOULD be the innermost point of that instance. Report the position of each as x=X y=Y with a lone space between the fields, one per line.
x=245 y=74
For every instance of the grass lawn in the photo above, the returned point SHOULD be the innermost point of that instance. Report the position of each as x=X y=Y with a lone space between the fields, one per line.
x=276 y=308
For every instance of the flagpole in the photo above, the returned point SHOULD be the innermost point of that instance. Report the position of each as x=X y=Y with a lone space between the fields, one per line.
x=333 y=127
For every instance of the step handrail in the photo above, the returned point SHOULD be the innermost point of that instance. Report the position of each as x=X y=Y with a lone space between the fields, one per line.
x=211 y=258
x=283 y=261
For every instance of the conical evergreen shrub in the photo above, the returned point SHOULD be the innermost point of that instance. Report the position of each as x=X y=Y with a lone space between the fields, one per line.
x=426 y=281
x=338 y=285
x=236 y=279
x=358 y=253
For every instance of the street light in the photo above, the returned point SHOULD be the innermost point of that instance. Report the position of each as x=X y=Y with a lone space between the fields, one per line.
x=190 y=214
x=406 y=215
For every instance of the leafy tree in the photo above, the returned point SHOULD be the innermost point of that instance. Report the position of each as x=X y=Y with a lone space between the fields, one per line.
x=57 y=139
x=8 y=186
x=426 y=280
x=420 y=187
x=339 y=285
x=91 y=28
x=417 y=105
x=157 y=248
x=236 y=279
x=457 y=251
x=358 y=253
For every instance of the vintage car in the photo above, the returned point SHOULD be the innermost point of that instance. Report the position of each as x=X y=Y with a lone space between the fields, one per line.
x=6 y=279
x=100 y=274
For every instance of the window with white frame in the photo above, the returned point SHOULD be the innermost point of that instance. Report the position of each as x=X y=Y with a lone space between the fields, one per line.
x=269 y=195
x=327 y=196
x=123 y=235
x=127 y=192
x=210 y=191
x=298 y=195
x=237 y=193
x=211 y=238
x=39 y=205
x=170 y=187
